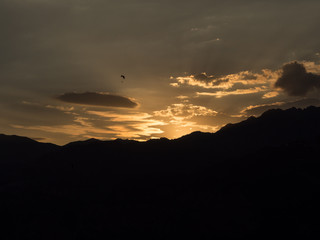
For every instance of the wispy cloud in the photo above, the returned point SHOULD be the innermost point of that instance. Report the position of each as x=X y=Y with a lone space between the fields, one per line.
x=270 y=95
x=183 y=118
x=184 y=111
x=134 y=125
x=103 y=125
x=220 y=94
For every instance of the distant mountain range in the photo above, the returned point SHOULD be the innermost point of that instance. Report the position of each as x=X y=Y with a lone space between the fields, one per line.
x=257 y=178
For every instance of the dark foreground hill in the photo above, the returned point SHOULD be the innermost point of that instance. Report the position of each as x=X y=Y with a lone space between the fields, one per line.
x=258 y=178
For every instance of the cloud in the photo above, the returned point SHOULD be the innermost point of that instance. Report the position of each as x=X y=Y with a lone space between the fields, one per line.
x=296 y=81
x=97 y=99
x=258 y=109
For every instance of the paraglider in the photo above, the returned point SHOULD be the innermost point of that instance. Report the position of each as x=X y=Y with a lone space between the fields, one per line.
x=124 y=77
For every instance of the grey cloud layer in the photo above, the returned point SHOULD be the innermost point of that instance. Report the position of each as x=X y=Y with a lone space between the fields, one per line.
x=97 y=99
x=79 y=41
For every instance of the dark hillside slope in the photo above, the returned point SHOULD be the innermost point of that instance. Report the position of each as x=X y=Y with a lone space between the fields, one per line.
x=273 y=128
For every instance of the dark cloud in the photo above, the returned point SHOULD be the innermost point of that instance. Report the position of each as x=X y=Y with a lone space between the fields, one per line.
x=203 y=77
x=97 y=99
x=296 y=81
x=248 y=76
x=219 y=81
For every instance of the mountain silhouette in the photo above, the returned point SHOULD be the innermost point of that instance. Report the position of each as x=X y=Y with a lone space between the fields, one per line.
x=273 y=128
x=15 y=147
x=257 y=178
x=18 y=152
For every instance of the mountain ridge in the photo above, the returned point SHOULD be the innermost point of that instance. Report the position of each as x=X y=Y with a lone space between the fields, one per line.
x=258 y=178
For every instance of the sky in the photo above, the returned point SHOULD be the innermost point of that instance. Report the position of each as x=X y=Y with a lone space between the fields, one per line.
x=188 y=65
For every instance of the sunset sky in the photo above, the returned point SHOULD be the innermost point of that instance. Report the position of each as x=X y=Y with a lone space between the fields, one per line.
x=188 y=65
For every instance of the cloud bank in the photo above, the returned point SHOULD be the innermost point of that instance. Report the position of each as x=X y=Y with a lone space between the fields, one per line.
x=97 y=99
